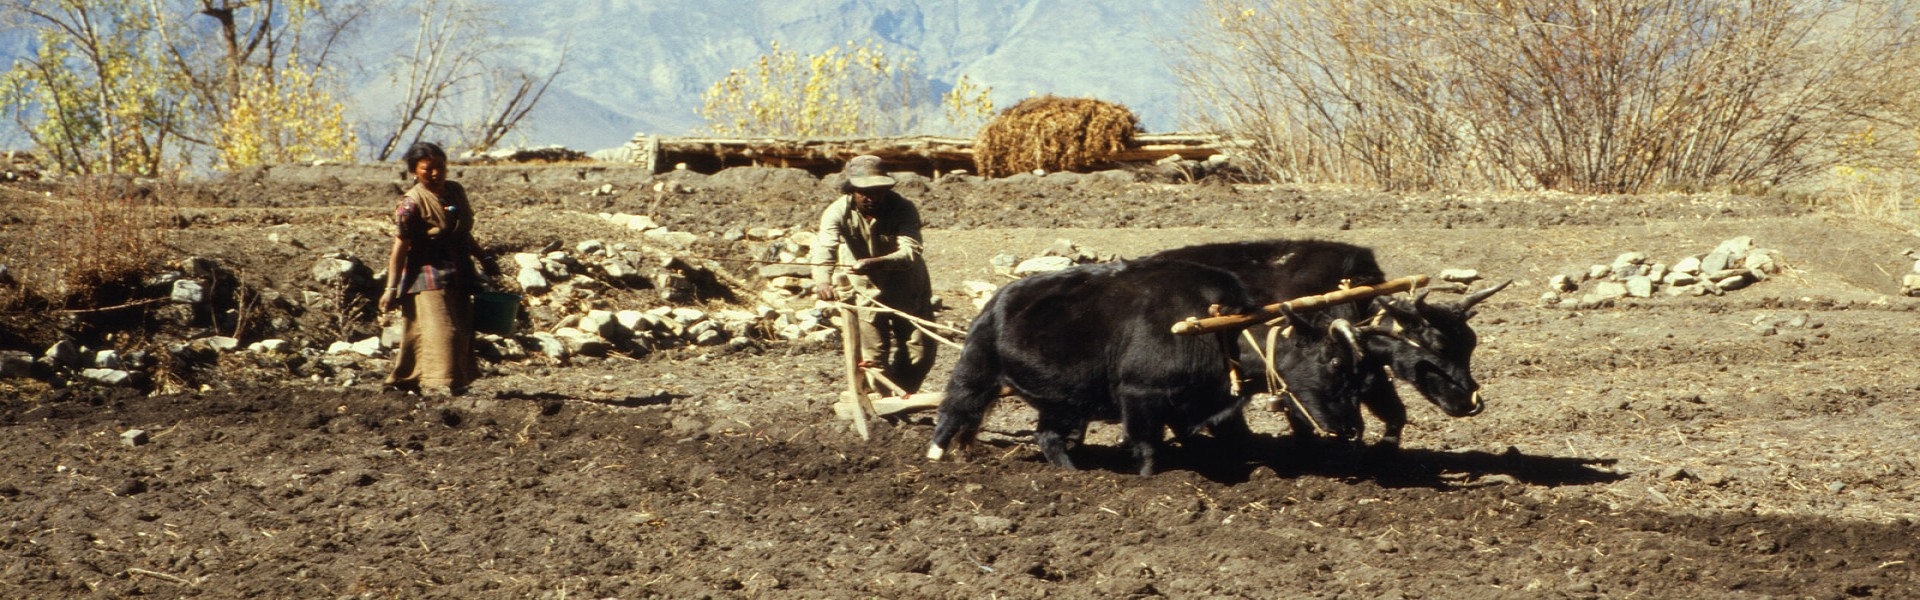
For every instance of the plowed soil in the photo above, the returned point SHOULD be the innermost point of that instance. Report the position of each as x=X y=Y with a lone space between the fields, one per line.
x=1756 y=444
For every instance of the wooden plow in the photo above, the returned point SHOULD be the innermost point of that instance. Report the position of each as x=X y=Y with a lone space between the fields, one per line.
x=1200 y=325
x=868 y=388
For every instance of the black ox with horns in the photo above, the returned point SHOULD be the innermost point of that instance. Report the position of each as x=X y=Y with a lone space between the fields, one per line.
x=1093 y=343
x=1429 y=345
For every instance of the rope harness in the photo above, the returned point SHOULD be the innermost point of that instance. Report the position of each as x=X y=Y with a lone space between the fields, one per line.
x=1276 y=383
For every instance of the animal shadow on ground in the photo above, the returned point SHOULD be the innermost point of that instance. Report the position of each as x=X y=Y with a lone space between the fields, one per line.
x=1228 y=463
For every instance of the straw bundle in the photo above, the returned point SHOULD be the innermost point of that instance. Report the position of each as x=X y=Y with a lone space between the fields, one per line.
x=1054 y=134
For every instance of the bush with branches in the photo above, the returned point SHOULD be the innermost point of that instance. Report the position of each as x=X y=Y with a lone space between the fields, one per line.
x=1575 y=95
x=849 y=89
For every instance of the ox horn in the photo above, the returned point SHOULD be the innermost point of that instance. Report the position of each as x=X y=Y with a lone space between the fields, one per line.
x=1476 y=297
x=1346 y=332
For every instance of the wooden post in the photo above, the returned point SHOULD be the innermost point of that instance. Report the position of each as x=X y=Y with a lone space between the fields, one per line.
x=1196 y=325
x=850 y=337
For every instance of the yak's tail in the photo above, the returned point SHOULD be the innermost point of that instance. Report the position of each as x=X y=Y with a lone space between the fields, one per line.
x=971 y=389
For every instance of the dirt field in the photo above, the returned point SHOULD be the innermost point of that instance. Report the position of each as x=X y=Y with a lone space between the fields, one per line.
x=1756 y=444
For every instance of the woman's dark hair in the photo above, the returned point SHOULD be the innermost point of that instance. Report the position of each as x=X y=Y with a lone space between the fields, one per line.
x=420 y=151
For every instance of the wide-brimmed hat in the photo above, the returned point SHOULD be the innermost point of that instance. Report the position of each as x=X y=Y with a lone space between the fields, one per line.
x=863 y=172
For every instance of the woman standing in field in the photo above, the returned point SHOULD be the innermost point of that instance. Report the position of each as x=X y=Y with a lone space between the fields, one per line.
x=431 y=279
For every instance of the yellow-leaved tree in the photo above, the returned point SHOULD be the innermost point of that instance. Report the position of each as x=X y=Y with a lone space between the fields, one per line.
x=849 y=89
x=281 y=115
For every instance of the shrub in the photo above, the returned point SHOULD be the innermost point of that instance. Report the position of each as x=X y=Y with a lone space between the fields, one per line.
x=1575 y=95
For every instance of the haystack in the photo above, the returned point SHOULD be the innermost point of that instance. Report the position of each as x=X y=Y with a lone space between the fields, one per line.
x=1054 y=134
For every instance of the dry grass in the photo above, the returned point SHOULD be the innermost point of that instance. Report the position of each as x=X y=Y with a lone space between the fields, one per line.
x=1585 y=96
x=1054 y=134
x=87 y=245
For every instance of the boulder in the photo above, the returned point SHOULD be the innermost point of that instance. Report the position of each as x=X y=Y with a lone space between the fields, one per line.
x=272 y=346
x=1762 y=262
x=550 y=345
x=621 y=271
x=672 y=239
x=1459 y=275
x=1689 y=264
x=340 y=270
x=1715 y=261
x=1608 y=290
x=1003 y=263
x=795 y=270
x=187 y=291
x=62 y=354
x=673 y=287
x=632 y=321
x=1735 y=249
x=1640 y=286
x=526 y=260
x=107 y=359
x=112 y=377
x=582 y=342
x=603 y=324
x=532 y=281
x=1042 y=264
x=1562 y=283
x=14 y=363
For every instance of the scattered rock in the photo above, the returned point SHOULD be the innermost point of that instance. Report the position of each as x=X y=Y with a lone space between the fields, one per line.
x=187 y=291
x=339 y=270
x=992 y=525
x=1042 y=264
x=112 y=377
x=1003 y=263
x=62 y=354
x=532 y=281
x=1689 y=264
x=1562 y=283
x=1460 y=275
x=106 y=359
x=133 y=438
x=14 y=363
x=221 y=343
x=1639 y=286
x=270 y=346
x=1608 y=290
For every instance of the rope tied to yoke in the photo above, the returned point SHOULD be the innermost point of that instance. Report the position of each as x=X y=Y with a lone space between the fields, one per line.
x=1276 y=384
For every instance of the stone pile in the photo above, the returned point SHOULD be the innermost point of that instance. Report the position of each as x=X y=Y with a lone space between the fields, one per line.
x=1062 y=254
x=1732 y=265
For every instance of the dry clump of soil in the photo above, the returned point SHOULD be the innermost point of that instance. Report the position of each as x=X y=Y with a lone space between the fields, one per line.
x=1757 y=443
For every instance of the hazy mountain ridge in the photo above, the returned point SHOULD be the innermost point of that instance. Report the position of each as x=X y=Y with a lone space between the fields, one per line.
x=641 y=65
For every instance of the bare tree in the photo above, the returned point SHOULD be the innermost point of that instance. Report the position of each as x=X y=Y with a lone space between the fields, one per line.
x=513 y=95
x=455 y=53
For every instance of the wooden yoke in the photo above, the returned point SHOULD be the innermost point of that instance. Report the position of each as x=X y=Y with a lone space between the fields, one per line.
x=1198 y=325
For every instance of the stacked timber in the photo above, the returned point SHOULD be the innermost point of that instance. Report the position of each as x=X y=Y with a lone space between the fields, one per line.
x=927 y=155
